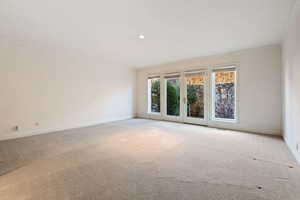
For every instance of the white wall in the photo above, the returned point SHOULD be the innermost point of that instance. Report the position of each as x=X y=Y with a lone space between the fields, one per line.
x=291 y=82
x=59 y=90
x=259 y=86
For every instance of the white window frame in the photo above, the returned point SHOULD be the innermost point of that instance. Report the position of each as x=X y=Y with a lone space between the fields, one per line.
x=193 y=120
x=212 y=101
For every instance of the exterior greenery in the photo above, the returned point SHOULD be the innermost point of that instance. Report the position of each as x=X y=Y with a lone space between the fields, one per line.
x=191 y=94
x=224 y=96
x=195 y=101
x=173 y=98
x=155 y=95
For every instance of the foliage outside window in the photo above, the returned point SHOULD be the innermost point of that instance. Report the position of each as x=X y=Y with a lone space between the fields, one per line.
x=195 y=95
x=173 y=97
x=154 y=86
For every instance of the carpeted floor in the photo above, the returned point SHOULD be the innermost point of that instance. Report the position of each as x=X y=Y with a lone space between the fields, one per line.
x=145 y=159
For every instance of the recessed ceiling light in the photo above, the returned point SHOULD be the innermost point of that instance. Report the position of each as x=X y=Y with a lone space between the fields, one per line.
x=141 y=37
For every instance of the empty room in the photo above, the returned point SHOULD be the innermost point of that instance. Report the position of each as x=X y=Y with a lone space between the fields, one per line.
x=150 y=100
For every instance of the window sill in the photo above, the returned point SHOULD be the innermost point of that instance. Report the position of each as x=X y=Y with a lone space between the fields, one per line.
x=219 y=120
x=153 y=113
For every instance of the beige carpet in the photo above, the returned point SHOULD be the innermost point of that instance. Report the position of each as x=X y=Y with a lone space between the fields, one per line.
x=144 y=159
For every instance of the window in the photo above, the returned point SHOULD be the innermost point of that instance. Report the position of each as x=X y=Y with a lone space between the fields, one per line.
x=195 y=89
x=224 y=94
x=154 y=95
x=173 y=95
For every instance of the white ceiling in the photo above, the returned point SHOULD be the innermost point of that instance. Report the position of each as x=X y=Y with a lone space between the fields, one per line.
x=173 y=29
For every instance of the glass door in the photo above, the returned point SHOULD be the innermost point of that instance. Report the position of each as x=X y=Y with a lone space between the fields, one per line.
x=173 y=97
x=195 y=97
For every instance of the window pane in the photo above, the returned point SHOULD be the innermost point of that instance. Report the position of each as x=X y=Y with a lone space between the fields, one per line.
x=224 y=94
x=155 y=95
x=173 y=97
x=195 y=95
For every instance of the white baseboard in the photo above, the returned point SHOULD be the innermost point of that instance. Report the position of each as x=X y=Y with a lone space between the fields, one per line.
x=293 y=150
x=20 y=134
x=222 y=125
